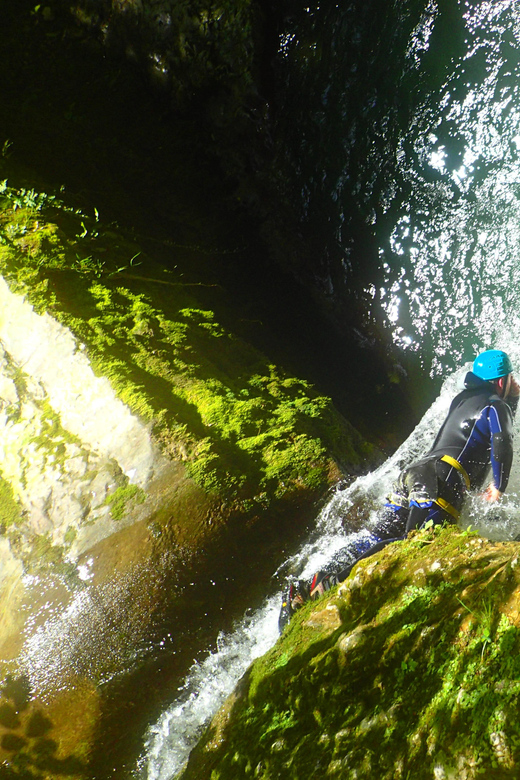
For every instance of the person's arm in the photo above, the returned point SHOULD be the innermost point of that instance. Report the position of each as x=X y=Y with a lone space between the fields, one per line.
x=501 y=437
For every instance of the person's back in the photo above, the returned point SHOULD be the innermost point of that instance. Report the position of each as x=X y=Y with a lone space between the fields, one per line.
x=478 y=432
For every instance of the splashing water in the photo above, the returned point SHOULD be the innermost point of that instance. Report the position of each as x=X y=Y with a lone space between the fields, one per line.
x=205 y=689
x=209 y=683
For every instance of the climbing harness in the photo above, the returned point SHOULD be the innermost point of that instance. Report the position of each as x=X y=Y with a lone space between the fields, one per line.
x=459 y=467
x=447 y=507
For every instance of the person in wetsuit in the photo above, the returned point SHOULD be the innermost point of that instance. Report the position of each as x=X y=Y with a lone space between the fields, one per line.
x=476 y=434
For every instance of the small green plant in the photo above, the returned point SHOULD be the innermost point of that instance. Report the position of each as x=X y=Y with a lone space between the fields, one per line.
x=91 y=266
x=486 y=617
x=280 y=722
x=118 y=500
x=6 y=149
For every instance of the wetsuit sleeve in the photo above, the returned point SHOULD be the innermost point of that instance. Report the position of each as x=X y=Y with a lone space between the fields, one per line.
x=501 y=430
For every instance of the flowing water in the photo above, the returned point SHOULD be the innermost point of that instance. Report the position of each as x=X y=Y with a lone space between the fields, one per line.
x=412 y=120
x=405 y=150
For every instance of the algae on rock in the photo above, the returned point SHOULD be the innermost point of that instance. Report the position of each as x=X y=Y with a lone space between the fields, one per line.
x=410 y=668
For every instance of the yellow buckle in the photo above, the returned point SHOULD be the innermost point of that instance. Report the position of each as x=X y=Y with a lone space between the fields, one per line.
x=448 y=507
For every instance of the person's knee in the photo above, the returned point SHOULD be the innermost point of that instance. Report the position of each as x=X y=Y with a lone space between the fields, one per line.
x=417 y=516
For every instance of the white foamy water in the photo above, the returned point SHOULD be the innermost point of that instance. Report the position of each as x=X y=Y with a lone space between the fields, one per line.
x=208 y=684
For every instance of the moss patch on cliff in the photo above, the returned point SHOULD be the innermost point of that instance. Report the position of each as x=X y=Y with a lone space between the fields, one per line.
x=246 y=430
x=118 y=500
x=10 y=510
x=409 y=669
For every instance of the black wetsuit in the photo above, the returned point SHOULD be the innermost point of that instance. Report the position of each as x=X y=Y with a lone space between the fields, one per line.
x=476 y=434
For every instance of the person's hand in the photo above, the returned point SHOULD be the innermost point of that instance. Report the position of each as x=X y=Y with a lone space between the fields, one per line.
x=491 y=494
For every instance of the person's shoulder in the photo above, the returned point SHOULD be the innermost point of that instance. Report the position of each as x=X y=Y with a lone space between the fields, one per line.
x=476 y=391
x=503 y=407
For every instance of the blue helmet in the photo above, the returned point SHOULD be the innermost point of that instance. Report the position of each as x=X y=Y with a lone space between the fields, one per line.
x=492 y=364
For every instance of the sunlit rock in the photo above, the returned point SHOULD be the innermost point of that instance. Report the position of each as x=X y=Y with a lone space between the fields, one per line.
x=67 y=443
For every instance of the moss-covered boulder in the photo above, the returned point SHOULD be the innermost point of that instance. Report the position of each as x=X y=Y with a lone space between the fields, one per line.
x=410 y=668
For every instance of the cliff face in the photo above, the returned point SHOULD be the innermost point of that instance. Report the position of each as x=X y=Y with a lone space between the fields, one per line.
x=408 y=669
x=132 y=374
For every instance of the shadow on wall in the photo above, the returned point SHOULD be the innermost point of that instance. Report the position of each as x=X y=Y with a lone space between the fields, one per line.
x=27 y=749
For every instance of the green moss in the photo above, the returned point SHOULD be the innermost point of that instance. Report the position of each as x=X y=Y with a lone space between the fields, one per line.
x=11 y=512
x=44 y=555
x=122 y=496
x=244 y=427
x=420 y=670
x=69 y=535
x=52 y=437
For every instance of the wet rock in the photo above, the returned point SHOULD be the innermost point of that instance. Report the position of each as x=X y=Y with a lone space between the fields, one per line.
x=328 y=618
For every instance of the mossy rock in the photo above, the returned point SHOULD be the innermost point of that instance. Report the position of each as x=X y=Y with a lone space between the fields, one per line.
x=410 y=668
x=246 y=430
x=248 y=449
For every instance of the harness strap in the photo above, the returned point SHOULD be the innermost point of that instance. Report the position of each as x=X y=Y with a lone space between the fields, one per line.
x=447 y=507
x=459 y=467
